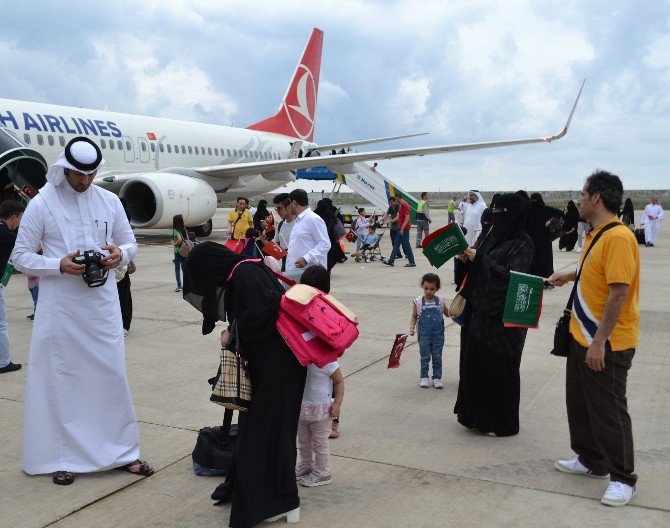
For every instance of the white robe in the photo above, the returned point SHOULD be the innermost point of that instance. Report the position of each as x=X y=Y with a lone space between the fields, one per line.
x=651 y=225
x=79 y=415
x=472 y=220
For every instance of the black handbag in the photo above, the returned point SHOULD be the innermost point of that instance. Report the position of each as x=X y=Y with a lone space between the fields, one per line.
x=562 y=331
x=215 y=448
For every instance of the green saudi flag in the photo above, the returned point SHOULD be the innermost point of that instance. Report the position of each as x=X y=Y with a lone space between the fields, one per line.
x=444 y=244
x=7 y=274
x=523 y=304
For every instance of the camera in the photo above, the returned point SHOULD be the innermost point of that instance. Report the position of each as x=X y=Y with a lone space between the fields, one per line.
x=94 y=274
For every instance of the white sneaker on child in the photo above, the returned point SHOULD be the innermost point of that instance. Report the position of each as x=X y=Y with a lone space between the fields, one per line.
x=312 y=480
x=437 y=383
x=424 y=383
x=302 y=471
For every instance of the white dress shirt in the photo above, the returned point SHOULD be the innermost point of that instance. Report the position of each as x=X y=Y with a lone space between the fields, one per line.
x=309 y=240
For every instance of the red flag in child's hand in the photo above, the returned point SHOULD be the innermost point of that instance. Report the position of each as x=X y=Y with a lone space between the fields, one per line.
x=235 y=245
x=398 y=346
x=274 y=250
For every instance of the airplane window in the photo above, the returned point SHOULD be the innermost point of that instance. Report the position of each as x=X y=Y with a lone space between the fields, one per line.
x=234 y=153
x=143 y=145
x=216 y=151
x=61 y=141
x=26 y=138
x=228 y=152
x=196 y=150
x=40 y=139
x=111 y=145
x=152 y=147
x=190 y=149
x=161 y=147
x=202 y=150
x=103 y=144
x=51 y=141
x=169 y=147
x=129 y=145
x=119 y=143
x=183 y=149
x=176 y=149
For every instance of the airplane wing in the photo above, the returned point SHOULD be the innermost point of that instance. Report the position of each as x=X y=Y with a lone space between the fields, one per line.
x=336 y=146
x=343 y=163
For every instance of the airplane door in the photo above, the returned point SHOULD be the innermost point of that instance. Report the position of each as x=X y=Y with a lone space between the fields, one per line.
x=296 y=150
x=128 y=149
x=145 y=153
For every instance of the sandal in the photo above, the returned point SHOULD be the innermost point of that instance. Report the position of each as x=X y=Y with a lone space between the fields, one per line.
x=145 y=470
x=62 y=478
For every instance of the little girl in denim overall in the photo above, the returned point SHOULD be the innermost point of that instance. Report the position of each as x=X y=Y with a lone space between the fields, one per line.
x=427 y=311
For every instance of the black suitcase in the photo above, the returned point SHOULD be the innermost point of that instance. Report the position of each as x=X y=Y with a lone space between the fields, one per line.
x=215 y=448
x=639 y=235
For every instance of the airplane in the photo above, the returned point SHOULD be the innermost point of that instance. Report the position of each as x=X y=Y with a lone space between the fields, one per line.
x=163 y=167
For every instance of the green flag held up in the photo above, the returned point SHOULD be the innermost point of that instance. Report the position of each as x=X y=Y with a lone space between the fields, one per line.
x=523 y=304
x=444 y=244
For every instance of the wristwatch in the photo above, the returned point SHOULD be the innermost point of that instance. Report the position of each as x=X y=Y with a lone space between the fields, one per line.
x=121 y=251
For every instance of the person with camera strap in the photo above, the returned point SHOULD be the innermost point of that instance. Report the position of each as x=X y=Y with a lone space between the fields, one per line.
x=79 y=415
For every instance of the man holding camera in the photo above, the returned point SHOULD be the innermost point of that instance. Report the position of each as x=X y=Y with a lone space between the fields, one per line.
x=79 y=416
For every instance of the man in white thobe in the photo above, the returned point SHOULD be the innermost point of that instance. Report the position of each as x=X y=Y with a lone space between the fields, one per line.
x=309 y=242
x=472 y=218
x=79 y=416
x=651 y=218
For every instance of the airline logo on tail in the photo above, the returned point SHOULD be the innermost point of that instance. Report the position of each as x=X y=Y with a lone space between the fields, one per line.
x=296 y=113
x=301 y=115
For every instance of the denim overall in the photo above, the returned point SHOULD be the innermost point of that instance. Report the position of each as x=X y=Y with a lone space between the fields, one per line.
x=431 y=337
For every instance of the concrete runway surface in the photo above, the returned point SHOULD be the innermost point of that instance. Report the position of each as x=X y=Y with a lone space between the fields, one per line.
x=402 y=459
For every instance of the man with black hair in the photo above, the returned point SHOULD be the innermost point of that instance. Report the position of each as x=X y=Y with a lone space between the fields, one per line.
x=604 y=331
x=309 y=243
x=11 y=212
x=284 y=227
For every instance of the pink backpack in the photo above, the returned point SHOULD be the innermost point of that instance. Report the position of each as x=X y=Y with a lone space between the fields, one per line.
x=316 y=326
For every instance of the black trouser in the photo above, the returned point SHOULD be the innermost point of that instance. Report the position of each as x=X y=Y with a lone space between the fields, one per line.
x=125 y=300
x=600 y=427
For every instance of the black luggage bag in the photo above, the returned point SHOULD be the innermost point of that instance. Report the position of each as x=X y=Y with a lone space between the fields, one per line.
x=215 y=448
x=639 y=235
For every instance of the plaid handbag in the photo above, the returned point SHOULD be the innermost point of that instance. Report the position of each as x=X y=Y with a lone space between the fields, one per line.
x=232 y=387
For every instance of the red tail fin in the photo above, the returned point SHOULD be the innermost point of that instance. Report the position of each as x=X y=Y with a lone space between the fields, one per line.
x=295 y=117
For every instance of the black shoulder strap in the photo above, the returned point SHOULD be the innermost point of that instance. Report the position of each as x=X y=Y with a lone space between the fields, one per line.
x=568 y=307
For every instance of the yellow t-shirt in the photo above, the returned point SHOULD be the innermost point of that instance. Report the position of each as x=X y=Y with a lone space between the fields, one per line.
x=615 y=259
x=246 y=221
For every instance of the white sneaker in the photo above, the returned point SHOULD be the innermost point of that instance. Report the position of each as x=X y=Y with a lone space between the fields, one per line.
x=618 y=494
x=312 y=480
x=437 y=383
x=424 y=383
x=302 y=471
x=575 y=467
x=125 y=332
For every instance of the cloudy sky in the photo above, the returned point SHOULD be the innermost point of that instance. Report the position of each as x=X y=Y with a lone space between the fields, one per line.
x=463 y=70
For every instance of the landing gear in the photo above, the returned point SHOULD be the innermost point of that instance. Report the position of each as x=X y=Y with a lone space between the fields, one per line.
x=203 y=230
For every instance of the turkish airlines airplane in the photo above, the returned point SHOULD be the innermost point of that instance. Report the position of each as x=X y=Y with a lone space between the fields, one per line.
x=163 y=167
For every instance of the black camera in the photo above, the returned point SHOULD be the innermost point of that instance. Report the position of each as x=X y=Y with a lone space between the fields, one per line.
x=94 y=274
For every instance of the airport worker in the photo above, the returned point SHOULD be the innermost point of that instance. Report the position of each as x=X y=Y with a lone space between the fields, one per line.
x=451 y=208
x=11 y=212
x=392 y=215
x=653 y=214
x=423 y=219
x=309 y=243
x=79 y=416
x=603 y=336
x=404 y=225
x=240 y=219
x=472 y=216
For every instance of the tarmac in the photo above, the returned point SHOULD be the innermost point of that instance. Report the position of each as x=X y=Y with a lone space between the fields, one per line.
x=402 y=460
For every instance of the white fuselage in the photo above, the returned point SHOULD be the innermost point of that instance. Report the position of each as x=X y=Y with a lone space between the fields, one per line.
x=138 y=144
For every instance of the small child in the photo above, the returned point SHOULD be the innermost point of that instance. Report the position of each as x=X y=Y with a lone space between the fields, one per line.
x=250 y=248
x=428 y=310
x=369 y=240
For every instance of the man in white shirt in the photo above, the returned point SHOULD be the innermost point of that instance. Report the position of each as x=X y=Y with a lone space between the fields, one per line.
x=309 y=243
x=284 y=228
x=472 y=220
x=651 y=218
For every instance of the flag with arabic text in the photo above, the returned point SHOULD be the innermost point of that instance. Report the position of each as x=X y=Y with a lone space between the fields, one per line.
x=444 y=244
x=523 y=304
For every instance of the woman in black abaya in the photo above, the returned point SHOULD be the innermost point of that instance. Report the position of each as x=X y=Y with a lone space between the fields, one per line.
x=569 y=237
x=489 y=386
x=327 y=211
x=538 y=228
x=264 y=483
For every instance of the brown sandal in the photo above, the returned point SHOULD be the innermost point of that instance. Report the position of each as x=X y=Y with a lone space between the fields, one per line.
x=145 y=470
x=62 y=478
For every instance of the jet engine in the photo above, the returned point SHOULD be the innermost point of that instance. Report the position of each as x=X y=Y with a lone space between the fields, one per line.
x=154 y=198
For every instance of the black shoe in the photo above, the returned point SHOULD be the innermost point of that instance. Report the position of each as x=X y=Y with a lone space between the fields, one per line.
x=387 y=262
x=408 y=265
x=30 y=317
x=222 y=493
x=651 y=245
x=10 y=367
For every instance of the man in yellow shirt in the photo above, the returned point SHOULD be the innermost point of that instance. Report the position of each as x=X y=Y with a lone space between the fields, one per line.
x=604 y=329
x=240 y=219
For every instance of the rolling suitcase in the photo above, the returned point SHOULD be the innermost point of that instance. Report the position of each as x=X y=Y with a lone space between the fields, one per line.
x=639 y=235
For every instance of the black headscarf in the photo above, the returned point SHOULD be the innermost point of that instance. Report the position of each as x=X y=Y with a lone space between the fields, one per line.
x=206 y=271
x=509 y=221
x=325 y=208
x=628 y=210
